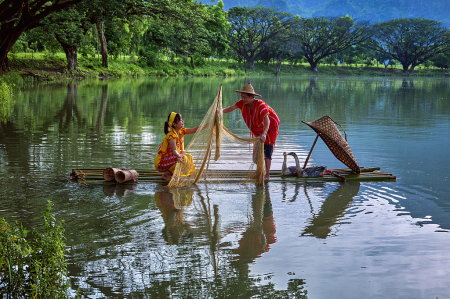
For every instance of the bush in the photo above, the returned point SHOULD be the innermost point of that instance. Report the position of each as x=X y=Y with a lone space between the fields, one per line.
x=5 y=101
x=33 y=268
x=148 y=58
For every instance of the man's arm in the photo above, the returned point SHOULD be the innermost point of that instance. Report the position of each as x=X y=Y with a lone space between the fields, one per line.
x=229 y=109
x=266 y=128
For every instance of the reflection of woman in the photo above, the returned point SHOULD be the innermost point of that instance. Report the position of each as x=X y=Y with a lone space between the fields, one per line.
x=261 y=233
x=171 y=205
x=171 y=149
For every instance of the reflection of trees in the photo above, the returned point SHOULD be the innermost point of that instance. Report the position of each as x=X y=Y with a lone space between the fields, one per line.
x=69 y=111
x=312 y=88
x=332 y=210
x=102 y=111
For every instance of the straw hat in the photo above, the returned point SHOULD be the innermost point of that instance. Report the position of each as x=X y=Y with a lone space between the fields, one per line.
x=248 y=89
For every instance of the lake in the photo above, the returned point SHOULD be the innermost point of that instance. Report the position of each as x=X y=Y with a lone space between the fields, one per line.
x=284 y=240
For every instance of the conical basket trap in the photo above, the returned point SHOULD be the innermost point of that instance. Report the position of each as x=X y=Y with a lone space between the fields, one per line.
x=326 y=128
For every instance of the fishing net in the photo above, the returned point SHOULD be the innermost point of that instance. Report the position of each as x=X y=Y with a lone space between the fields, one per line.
x=219 y=155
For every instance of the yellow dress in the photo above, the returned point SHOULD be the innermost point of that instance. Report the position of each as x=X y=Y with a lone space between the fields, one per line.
x=165 y=159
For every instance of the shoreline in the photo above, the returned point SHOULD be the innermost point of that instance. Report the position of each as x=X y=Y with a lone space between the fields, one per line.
x=41 y=68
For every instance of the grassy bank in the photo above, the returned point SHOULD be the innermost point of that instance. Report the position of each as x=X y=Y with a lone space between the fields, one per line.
x=42 y=67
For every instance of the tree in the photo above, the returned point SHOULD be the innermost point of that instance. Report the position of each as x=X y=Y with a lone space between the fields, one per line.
x=254 y=30
x=411 y=41
x=69 y=28
x=217 y=26
x=321 y=37
x=189 y=36
x=18 y=16
x=441 y=61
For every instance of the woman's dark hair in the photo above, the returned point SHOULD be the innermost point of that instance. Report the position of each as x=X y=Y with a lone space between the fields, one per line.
x=166 y=124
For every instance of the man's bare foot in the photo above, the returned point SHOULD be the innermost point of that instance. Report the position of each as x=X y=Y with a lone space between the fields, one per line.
x=167 y=176
x=266 y=177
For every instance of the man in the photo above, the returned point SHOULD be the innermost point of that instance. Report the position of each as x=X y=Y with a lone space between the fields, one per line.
x=260 y=119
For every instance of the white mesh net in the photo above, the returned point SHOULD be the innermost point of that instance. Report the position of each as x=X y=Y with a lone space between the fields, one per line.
x=219 y=155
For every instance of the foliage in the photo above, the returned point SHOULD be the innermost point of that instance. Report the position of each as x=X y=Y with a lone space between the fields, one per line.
x=411 y=41
x=254 y=31
x=441 y=61
x=321 y=37
x=36 y=267
x=18 y=16
x=5 y=101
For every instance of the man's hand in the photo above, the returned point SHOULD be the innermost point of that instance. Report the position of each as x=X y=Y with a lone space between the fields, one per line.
x=263 y=138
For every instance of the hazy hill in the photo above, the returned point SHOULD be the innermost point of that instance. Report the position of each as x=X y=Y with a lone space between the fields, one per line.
x=374 y=10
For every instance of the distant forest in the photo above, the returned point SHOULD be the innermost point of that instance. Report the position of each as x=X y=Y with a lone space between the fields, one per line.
x=373 y=11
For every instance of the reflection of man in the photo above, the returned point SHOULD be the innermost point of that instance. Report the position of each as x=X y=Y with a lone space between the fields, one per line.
x=171 y=204
x=261 y=233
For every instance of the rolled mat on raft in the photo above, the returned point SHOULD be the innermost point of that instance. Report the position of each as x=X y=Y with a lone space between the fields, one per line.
x=119 y=175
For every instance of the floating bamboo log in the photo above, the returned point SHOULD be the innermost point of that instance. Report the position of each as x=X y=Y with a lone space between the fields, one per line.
x=125 y=175
x=109 y=174
x=367 y=174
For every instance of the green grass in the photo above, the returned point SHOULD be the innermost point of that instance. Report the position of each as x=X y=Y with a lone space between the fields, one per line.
x=44 y=67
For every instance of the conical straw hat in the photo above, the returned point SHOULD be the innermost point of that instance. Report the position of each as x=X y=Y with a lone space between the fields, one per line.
x=326 y=128
x=248 y=89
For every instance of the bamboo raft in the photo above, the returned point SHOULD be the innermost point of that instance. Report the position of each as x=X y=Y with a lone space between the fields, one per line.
x=343 y=174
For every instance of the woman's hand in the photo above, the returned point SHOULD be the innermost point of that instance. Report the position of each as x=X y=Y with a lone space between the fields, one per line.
x=180 y=158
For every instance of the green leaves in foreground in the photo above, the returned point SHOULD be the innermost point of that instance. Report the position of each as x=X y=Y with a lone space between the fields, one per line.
x=33 y=267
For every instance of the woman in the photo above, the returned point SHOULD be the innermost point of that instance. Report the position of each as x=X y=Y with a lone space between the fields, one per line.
x=171 y=149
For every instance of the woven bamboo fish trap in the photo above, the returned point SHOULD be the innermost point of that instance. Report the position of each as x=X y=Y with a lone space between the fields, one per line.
x=326 y=128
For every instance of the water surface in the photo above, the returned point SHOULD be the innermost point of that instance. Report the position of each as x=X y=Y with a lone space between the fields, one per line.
x=286 y=239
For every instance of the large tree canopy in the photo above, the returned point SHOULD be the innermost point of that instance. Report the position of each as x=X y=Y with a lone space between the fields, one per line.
x=321 y=37
x=17 y=16
x=255 y=30
x=411 y=41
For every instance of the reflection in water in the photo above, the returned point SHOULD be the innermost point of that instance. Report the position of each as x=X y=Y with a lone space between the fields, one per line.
x=121 y=190
x=102 y=111
x=116 y=246
x=171 y=203
x=261 y=231
x=211 y=229
x=332 y=210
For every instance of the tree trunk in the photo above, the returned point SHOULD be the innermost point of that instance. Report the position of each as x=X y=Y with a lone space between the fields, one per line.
x=405 y=67
x=71 y=55
x=313 y=66
x=4 y=67
x=6 y=45
x=251 y=64
x=192 y=62
x=385 y=68
x=411 y=69
x=104 y=49
x=280 y=58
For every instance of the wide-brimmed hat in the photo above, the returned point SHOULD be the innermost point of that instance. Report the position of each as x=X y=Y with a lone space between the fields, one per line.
x=248 y=89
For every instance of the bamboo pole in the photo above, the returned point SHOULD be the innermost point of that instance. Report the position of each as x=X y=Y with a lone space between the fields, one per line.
x=309 y=155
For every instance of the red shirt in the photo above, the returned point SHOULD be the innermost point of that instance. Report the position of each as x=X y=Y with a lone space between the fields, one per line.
x=255 y=119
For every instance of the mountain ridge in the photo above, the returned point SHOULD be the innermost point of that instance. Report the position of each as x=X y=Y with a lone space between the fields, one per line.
x=373 y=10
